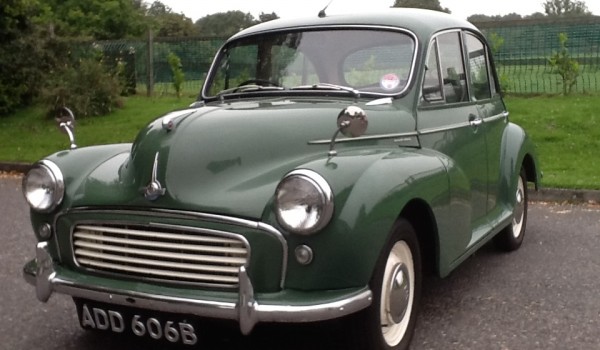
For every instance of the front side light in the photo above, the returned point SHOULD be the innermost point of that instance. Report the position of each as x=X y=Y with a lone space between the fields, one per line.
x=43 y=186
x=303 y=202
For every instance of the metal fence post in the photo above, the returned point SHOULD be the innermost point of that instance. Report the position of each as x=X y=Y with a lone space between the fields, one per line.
x=150 y=65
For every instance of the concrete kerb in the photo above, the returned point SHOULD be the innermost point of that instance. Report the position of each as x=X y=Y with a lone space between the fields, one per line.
x=543 y=195
x=19 y=168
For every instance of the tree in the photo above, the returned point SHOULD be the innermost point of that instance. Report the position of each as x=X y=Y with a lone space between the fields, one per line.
x=423 y=4
x=224 y=24
x=265 y=17
x=166 y=23
x=535 y=15
x=562 y=8
x=158 y=9
x=175 y=25
x=22 y=55
x=97 y=19
x=486 y=18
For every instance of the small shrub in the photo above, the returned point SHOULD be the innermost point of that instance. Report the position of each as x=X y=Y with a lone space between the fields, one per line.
x=496 y=43
x=177 y=71
x=566 y=67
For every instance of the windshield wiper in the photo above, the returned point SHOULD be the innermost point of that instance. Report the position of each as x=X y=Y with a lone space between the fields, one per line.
x=327 y=86
x=248 y=88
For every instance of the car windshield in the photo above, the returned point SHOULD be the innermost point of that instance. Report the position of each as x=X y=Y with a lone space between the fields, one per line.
x=357 y=60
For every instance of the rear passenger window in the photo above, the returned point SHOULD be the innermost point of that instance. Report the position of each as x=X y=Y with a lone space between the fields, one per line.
x=478 y=68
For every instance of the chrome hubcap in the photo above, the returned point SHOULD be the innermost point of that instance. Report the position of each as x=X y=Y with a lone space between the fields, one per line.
x=519 y=211
x=397 y=293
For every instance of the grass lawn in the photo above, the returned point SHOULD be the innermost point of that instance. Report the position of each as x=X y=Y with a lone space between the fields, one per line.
x=28 y=135
x=566 y=131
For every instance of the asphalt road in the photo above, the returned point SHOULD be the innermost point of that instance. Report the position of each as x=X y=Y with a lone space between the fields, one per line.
x=543 y=296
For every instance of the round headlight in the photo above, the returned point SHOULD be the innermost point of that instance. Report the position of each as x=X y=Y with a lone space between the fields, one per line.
x=303 y=202
x=43 y=186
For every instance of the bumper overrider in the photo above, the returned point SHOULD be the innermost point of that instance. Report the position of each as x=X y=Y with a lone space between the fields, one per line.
x=48 y=278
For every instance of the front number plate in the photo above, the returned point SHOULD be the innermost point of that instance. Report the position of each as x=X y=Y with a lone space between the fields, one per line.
x=124 y=323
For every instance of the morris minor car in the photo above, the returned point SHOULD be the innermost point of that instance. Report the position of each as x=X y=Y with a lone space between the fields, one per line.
x=328 y=164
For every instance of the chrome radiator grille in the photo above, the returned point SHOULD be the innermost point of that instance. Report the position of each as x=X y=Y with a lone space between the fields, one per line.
x=169 y=254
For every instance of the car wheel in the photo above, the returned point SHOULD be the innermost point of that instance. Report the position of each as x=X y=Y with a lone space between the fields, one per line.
x=512 y=236
x=389 y=322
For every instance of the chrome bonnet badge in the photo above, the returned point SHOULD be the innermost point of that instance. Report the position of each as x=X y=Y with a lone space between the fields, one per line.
x=154 y=189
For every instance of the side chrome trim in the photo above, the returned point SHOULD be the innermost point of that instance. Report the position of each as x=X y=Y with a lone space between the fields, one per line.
x=503 y=115
x=363 y=138
x=248 y=311
x=445 y=128
x=177 y=214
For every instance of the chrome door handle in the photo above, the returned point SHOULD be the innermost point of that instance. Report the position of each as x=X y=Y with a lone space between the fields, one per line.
x=475 y=120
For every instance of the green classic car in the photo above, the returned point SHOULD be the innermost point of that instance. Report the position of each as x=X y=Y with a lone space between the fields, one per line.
x=328 y=164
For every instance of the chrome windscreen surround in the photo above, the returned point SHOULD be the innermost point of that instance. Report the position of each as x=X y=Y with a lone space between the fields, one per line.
x=169 y=253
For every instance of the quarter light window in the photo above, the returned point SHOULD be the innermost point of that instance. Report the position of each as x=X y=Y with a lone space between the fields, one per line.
x=478 y=69
x=432 y=86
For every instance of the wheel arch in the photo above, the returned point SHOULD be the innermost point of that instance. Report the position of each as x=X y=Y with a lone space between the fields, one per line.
x=420 y=215
x=518 y=151
x=531 y=170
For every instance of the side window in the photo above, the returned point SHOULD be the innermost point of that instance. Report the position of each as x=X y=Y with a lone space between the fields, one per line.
x=478 y=68
x=453 y=69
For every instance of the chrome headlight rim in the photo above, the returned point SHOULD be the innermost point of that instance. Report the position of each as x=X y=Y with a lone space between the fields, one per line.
x=58 y=186
x=325 y=193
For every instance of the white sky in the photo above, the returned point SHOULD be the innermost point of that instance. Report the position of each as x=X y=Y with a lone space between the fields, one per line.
x=196 y=9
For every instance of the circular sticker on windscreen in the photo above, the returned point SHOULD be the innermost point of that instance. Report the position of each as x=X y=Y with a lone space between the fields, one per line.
x=389 y=81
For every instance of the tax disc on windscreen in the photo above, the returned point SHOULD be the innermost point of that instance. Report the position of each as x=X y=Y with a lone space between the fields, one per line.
x=389 y=81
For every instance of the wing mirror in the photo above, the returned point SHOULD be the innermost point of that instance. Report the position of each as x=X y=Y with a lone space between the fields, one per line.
x=65 y=121
x=352 y=122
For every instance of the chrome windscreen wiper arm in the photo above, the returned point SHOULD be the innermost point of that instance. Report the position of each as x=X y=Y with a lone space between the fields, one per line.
x=249 y=87
x=328 y=86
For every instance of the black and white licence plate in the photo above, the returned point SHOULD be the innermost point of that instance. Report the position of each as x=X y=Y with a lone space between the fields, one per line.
x=139 y=323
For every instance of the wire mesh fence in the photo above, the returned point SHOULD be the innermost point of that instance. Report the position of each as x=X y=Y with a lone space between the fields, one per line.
x=522 y=60
x=149 y=69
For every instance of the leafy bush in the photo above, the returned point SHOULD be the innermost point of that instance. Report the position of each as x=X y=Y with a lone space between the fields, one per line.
x=88 y=87
x=566 y=67
x=496 y=43
x=177 y=71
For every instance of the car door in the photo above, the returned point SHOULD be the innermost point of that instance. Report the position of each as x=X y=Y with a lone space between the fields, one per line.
x=450 y=123
x=485 y=94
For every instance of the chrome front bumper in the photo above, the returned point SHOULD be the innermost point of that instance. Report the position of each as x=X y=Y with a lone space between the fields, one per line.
x=248 y=311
